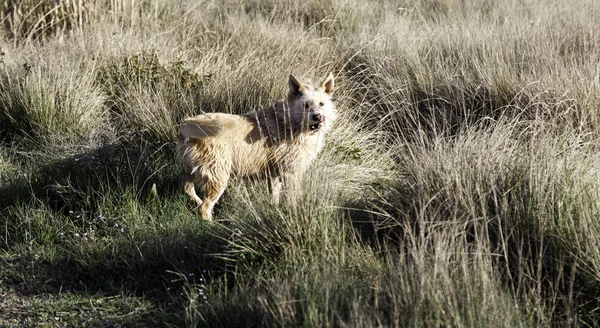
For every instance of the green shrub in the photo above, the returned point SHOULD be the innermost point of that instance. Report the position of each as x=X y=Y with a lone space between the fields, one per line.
x=147 y=97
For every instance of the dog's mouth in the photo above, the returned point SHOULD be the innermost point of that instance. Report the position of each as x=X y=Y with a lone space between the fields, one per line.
x=319 y=122
x=318 y=125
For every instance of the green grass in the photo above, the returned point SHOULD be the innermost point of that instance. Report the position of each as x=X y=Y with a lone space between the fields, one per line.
x=459 y=186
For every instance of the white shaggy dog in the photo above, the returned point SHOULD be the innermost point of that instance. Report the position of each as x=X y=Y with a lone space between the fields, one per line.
x=280 y=141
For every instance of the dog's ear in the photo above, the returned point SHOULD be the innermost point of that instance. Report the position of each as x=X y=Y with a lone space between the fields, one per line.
x=296 y=88
x=327 y=85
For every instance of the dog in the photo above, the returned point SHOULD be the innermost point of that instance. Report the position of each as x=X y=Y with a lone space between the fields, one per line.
x=278 y=142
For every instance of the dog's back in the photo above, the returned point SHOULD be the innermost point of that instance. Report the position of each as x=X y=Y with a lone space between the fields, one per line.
x=235 y=142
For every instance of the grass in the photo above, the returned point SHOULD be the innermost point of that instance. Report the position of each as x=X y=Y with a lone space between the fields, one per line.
x=459 y=186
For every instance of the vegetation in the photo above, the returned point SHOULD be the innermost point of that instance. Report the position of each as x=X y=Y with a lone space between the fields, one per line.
x=460 y=186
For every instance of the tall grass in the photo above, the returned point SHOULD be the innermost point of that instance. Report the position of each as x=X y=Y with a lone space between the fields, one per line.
x=459 y=186
x=45 y=100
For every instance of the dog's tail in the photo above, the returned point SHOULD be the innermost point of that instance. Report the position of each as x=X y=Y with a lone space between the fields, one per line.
x=200 y=127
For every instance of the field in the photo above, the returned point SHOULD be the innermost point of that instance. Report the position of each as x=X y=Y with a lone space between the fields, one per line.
x=459 y=187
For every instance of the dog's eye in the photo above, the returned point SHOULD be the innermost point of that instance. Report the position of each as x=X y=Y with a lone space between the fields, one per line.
x=321 y=104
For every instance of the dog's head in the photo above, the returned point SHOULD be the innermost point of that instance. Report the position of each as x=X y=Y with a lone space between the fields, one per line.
x=313 y=106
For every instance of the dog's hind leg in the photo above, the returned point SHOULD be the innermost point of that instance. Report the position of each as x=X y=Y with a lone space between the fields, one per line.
x=213 y=190
x=214 y=179
x=188 y=187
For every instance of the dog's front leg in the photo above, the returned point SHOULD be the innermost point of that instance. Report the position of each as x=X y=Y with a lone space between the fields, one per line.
x=275 y=186
x=292 y=185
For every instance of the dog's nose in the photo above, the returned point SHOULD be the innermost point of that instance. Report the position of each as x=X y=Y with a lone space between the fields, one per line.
x=317 y=117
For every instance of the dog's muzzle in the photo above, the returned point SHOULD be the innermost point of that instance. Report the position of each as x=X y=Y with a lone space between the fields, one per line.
x=317 y=122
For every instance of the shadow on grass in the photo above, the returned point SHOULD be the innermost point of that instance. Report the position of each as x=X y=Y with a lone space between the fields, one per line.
x=69 y=244
x=63 y=183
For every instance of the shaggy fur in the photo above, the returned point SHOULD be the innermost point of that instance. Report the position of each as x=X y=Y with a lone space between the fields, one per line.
x=280 y=141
